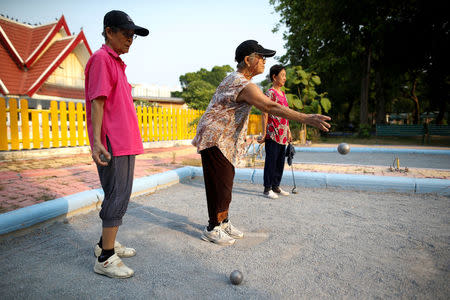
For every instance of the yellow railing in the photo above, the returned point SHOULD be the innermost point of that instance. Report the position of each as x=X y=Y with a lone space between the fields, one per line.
x=64 y=126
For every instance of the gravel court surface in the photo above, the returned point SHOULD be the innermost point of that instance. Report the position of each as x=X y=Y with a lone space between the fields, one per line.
x=320 y=243
x=434 y=161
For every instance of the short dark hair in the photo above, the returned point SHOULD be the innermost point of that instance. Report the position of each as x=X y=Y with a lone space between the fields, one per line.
x=114 y=29
x=275 y=70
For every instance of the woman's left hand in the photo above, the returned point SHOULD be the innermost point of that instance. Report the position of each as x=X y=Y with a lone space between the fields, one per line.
x=289 y=136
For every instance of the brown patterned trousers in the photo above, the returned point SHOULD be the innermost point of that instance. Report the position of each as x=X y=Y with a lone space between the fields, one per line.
x=218 y=174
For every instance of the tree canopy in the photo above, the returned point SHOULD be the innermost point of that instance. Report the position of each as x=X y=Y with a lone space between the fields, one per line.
x=370 y=53
x=199 y=87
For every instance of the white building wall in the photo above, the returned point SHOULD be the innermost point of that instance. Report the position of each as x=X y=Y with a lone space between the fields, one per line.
x=140 y=90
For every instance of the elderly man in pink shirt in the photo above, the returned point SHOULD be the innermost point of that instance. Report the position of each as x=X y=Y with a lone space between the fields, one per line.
x=114 y=136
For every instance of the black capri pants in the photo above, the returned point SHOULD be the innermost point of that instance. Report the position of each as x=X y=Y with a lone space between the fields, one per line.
x=117 y=182
x=274 y=163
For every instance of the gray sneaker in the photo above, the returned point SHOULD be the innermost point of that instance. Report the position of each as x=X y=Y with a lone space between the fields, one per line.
x=218 y=236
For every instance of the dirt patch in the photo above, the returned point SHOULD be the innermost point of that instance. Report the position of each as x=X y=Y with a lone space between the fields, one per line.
x=372 y=170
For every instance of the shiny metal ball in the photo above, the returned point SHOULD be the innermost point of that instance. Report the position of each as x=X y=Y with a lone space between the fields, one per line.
x=103 y=158
x=236 y=277
x=343 y=148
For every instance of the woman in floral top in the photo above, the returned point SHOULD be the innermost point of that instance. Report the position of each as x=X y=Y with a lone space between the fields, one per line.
x=221 y=132
x=276 y=136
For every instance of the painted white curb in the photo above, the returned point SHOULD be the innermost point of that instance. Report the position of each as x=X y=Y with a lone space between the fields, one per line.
x=252 y=149
x=28 y=216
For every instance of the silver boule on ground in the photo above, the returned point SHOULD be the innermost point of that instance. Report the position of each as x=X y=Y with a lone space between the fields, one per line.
x=236 y=277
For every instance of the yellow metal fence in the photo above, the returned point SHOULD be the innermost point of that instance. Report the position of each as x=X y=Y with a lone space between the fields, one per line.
x=64 y=125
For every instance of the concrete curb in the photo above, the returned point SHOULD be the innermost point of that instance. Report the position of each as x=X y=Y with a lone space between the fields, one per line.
x=349 y=181
x=375 y=150
x=255 y=149
x=85 y=201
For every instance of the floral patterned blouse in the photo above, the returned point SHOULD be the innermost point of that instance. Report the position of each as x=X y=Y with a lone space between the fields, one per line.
x=277 y=128
x=224 y=123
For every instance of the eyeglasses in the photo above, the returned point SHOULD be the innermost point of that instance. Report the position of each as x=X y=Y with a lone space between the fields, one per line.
x=259 y=56
x=129 y=35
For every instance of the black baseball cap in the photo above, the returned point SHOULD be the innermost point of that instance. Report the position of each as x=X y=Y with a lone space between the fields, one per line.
x=119 y=19
x=251 y=46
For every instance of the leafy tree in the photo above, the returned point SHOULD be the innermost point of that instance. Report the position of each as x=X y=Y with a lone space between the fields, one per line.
x=372 y=44
x=199 y=87
x=198 y=94
x=302 y=95
x=176 y=94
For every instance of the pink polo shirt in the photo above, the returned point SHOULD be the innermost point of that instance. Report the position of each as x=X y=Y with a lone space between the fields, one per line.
x=105 y=76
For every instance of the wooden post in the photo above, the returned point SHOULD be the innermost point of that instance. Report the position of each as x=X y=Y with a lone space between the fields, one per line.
x=55 y=125
x=25 y=124
x=63 y=120
x=3 y=128
x=80 y=124
x=36 y=129
x=14 y=124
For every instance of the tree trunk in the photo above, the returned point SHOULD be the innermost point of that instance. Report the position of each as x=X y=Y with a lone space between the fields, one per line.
x=416 y=113
x=348 y=110
x=381 y=112
x=442 y=110
x=364 y=108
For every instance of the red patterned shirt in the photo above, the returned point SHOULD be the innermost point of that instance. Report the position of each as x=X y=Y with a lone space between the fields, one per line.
x=277 y=128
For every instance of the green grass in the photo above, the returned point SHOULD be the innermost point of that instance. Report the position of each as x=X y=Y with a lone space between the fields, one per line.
x=407 y=141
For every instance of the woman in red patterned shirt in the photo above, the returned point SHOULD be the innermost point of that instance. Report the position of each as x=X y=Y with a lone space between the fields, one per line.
x=277 y=135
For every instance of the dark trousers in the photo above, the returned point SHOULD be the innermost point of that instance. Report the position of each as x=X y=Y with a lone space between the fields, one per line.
x=117 y=182
x=274 y=164
x=218 y=174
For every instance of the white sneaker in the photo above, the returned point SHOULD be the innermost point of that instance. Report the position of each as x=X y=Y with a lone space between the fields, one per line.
x=231 y=230
x=218 y=236
x=113 y=267
x=120 y=250
x=281 y=192
x=270 y=194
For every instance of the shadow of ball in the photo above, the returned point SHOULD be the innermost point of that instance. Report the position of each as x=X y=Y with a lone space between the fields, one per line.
x=343 y=148
x=236 y=277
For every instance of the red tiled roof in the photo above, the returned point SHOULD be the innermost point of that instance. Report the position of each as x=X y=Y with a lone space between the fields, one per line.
x=10 y=73
x=23 y=65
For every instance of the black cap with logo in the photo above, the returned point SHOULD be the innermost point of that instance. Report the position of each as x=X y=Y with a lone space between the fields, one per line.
x=251 y=46
x=119 y=19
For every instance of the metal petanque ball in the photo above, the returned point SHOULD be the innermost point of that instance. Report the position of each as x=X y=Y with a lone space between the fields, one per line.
x=236 y=277
x=343 y=148
x=103 y=158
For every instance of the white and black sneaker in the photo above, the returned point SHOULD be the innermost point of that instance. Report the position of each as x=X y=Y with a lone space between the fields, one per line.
x=270 y=194
x=217 y=235
x=232 y=230
x=278 y=190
